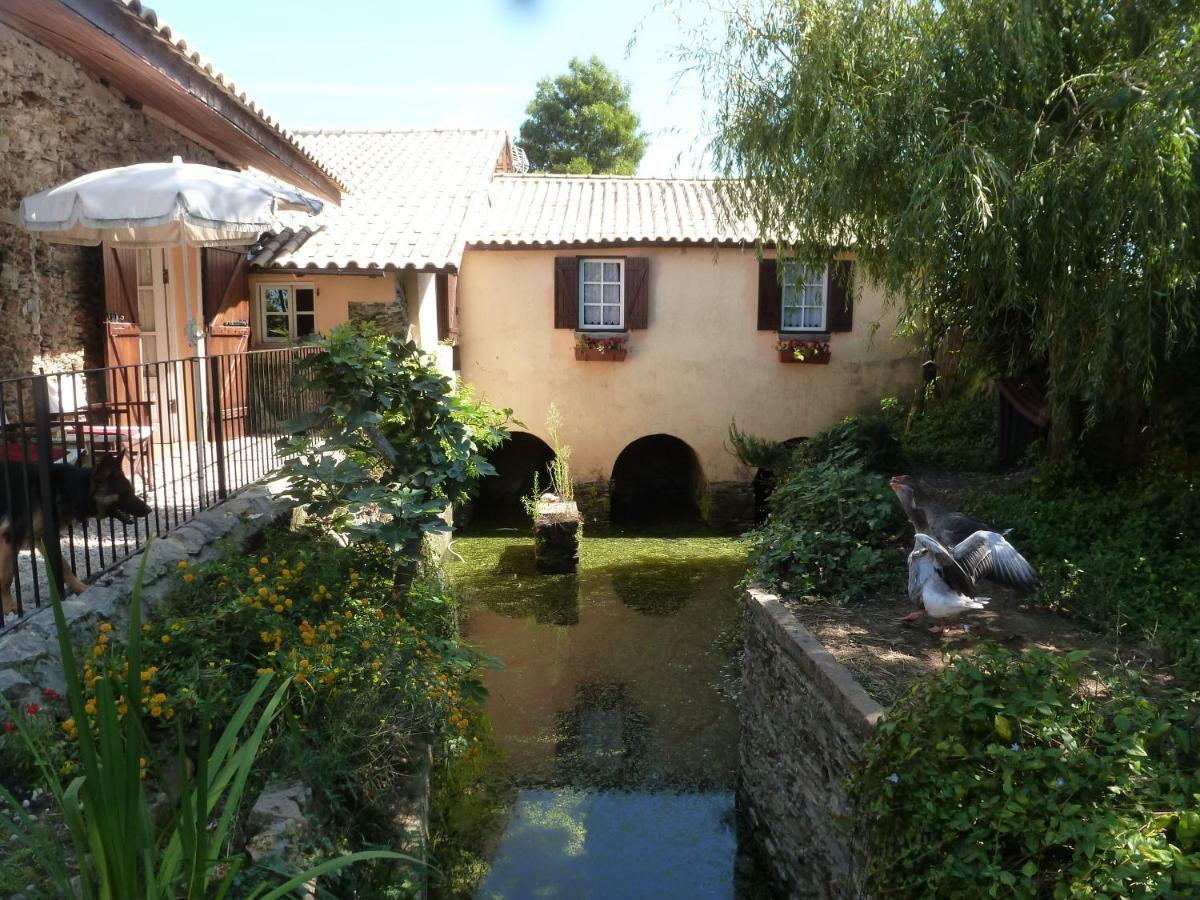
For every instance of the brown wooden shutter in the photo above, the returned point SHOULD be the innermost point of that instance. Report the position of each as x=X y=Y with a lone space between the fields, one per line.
x=566 y=292
x=120 y=284
x=225 y=284
x=637 y=292
x=770 y=296
x=447 y=307
x=839 y=302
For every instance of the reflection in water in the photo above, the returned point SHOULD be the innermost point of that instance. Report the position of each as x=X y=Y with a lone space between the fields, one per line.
x=572 y=844
x=611 y=697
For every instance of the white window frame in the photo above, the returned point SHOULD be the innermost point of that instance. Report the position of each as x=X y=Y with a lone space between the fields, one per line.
x=620 y=261
x=790 y=271
x=291 y=287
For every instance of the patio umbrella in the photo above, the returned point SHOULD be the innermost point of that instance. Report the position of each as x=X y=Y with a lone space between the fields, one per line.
x=152 y=204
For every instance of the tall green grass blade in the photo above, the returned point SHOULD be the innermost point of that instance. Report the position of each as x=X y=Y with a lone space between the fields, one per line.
x=330 y=865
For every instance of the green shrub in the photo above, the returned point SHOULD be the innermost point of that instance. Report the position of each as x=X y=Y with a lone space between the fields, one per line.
x=867 y=440
x=958 y=434
x=1121 y=556
x=829 y=533
x=1005 y=776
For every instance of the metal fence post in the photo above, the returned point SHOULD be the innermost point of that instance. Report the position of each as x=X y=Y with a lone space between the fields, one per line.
x=201 y=426
x=51 y=551
x=218 y=425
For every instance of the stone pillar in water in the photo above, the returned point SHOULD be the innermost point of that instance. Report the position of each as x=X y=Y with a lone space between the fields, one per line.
x=556 y=537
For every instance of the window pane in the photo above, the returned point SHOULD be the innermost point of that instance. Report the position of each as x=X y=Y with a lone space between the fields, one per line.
x=789 y=296
x=275 y=300
x=145 y=272
x=305 y=324
x=612 y=271
x=277 y=326
x=811 y=318
x=791 y=317
x=591 y=271
x=146 y=308
x=304 y=299
x=612 y=315
x=591 y=293
x=591 y=315
x=612 y=293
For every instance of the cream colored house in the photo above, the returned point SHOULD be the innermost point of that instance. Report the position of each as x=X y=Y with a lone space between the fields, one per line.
x=509 y=278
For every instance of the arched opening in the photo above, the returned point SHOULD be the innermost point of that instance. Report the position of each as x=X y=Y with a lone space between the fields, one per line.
x=516 y=461
x=655 y=478
x=764 y=485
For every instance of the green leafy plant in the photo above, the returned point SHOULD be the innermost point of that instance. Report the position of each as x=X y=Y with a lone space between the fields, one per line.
x=390 y=445
x=830 y=533
x=1006 y=776
x=560 y=466
x=116 y=850
x=756 y=452
x=957 y=433
x=869 y=440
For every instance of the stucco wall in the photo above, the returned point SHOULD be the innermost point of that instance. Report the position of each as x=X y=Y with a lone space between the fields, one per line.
x=804 y=720
x=57 y=122
x=335 y=294
x=699 y=364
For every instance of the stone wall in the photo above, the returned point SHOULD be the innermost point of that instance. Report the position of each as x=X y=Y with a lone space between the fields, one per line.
x=29 y=654
x=59 y=122
x=804 y=721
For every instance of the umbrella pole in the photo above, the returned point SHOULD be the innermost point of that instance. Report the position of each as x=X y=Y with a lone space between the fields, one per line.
x=199 y=379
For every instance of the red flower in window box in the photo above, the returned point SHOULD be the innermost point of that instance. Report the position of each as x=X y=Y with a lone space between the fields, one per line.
x=794 y=350
x=607 y=349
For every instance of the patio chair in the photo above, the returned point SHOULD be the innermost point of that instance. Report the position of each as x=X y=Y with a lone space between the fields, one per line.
x=101 y=427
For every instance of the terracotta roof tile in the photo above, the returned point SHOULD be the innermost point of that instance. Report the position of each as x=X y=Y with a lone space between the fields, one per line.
x=408 y=199
x=547 y=210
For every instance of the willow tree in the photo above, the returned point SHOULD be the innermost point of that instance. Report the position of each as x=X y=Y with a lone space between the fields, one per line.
x=1025 y=171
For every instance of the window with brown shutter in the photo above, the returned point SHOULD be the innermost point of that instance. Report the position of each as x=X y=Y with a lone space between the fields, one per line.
x=839 y=308
x=770 y=297
x=447 y=307
x=566 y=292
x=637 y=292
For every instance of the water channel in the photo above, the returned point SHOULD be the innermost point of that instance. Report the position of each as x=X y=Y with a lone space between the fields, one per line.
x=614 y=716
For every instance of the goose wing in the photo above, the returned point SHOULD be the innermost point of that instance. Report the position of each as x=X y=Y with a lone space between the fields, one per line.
x=986 y=554
x=955 y=527
x=949 y=568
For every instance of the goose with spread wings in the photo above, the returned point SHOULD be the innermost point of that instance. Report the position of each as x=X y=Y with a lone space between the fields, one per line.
x=939 y=581
x=981 y=551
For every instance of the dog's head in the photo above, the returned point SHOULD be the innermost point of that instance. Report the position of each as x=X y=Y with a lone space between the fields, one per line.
x=111 y=493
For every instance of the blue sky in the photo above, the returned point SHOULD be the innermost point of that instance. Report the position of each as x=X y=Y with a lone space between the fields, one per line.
x=449 y=63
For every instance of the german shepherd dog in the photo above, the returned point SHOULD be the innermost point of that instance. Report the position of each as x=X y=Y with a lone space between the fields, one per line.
x=79 y=492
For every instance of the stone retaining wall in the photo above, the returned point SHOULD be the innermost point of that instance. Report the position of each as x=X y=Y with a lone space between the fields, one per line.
x=29 y=656
x=804 y=720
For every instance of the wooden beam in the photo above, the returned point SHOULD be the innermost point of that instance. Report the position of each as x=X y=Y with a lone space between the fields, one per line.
x=133 y=59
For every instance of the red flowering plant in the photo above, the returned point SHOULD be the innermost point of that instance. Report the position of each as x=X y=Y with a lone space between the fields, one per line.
x=600 y=345
x=802 y=349
x=42 y=719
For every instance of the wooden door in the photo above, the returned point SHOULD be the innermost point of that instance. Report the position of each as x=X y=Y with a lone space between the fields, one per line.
x=122 y=333
x=226 y=290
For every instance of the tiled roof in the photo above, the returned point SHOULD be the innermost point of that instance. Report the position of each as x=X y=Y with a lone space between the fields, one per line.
x=148 y=18
x=409 y=195
x=546 y=210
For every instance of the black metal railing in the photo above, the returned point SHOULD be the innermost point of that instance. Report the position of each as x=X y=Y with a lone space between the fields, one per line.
x=181 y=435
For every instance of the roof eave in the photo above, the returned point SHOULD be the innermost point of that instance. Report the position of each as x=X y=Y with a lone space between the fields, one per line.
x=135 y=58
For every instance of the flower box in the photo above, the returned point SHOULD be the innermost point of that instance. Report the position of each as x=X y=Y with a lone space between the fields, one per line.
x=813 y=353
x=608 y=349
x=589 y=355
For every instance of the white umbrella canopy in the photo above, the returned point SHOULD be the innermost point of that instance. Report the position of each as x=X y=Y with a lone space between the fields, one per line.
x=151 y=204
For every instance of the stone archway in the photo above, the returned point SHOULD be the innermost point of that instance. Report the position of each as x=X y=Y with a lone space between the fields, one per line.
x=656 y=477
x=516 y=461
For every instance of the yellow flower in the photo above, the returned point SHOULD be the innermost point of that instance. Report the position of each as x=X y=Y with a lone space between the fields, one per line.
x=170 y=714
x=182 y=564
x=149 y=673
x=159 y=698
x=66 y=768
x=106 y=627
x=366 y=645
x=68 y=725
x=301 y=679
x=90 y=707
x=287 y=602
x=166 y=639
x=98 y=651
x=264 y=671
x=263 y=592
x=264 y=560
x=278 y=607
x=189 y=577
x=102 y=640
x=156 y=711
x=123 y=707
x=252 y=571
